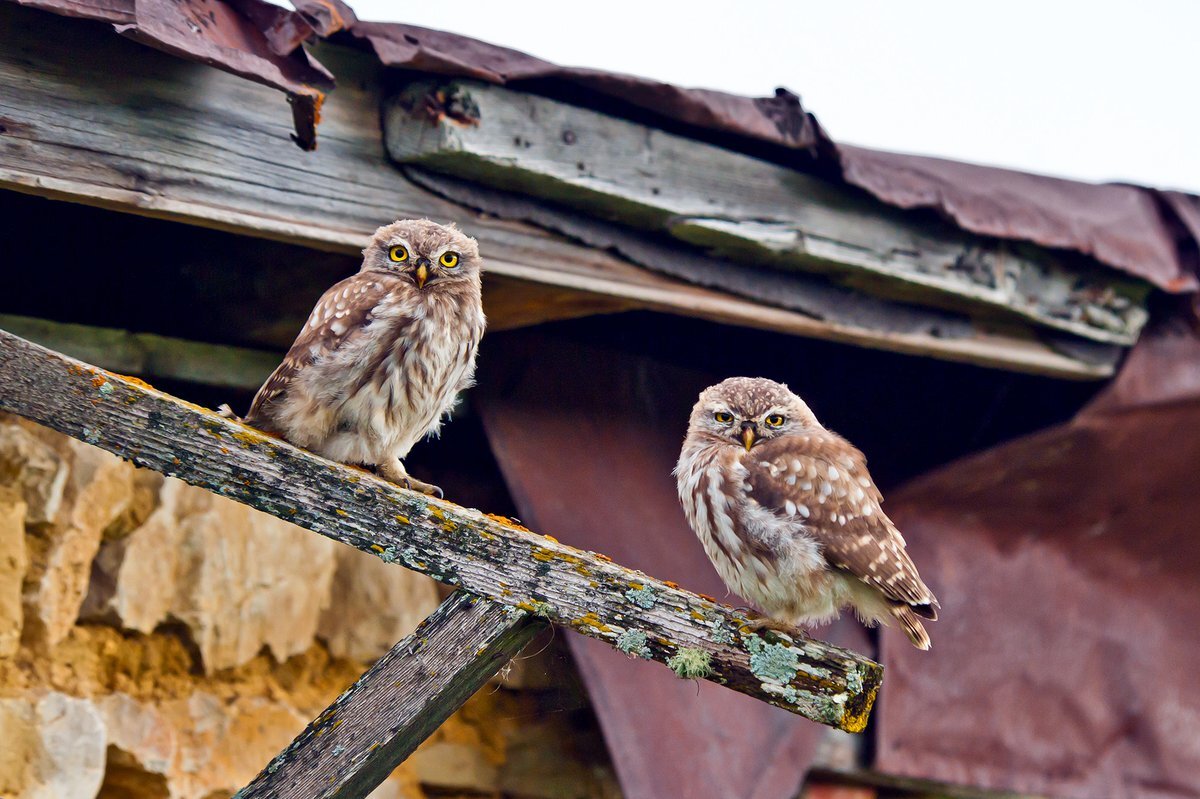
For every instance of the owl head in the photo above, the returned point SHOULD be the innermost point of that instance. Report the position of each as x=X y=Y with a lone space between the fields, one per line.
x=746 y=411
x=432 y=256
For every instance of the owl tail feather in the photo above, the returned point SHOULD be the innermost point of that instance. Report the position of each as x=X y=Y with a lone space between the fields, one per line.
x=226 y=412
x=912 y=626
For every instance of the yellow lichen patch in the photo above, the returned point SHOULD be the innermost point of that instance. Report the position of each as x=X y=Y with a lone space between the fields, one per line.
x=550 y=538
x=137 y=381
x=98 y=381
x=250 y=437
x=593 y=621
x=376 y=548
x=670 y=584
x=602 y=557
x=403 y=519
x=437 y=513
x=544 y=555
x=857 y=721
x=507 y=522
x=340 y=512
x=709 y=598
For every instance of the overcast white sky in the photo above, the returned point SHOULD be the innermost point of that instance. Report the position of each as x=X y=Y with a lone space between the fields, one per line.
x=1090 y=89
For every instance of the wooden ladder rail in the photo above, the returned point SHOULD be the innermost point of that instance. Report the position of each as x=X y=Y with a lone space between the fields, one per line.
x=511 y=580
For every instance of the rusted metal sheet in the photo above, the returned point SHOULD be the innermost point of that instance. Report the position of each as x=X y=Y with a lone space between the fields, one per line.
x=114 y=11
x=779 y=119
x=586 y=439
x=1067 y=565
x=1144 y=232
x=1133 y=229
x=1128 y=227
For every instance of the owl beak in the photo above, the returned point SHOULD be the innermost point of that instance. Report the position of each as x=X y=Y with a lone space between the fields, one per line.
x=748 y=437
x=422 y=274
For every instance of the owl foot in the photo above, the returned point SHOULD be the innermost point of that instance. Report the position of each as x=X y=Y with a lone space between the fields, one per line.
x=413 y=484
x=394 y=471
x=762 y=623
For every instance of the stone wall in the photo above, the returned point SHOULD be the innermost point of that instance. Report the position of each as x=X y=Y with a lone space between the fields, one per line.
x=160 y=641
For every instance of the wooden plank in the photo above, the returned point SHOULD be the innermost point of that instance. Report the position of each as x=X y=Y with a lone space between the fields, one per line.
x=100 y=120
x=636 y=613
x=353 y=746
x=747 y=208
x=149 y=355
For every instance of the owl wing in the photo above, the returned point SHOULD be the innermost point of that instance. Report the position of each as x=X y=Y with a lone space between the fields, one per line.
x=821 y=480
x=337 y=318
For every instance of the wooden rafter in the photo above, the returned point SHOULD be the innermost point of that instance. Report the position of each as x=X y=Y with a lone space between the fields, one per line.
x=188 y=143
x=748 y=209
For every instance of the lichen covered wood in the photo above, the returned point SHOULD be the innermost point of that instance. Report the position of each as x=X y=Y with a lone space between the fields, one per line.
x=375 y=724
x=458 y=546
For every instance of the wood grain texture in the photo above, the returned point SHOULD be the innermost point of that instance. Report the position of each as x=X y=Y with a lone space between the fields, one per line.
x=350 y=748
x=90 y=117
x=746 y=208
x=634 y=612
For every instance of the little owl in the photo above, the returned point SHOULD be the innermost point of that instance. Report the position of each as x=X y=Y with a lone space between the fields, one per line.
x=384 y=353
x=789 y=514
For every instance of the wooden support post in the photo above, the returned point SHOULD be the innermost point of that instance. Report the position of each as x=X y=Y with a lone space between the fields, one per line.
x=631 y=611
x=375 y=724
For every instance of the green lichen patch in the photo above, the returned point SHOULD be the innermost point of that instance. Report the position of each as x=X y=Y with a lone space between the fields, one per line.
x=691 y=664
x=773 y=663
x=633 y=642
x=642 y=597
x=721 y=635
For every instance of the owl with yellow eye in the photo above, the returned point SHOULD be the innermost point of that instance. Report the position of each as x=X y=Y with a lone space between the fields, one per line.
x=384 y=354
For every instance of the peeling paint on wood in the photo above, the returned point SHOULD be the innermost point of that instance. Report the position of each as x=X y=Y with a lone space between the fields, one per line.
x=458 y=546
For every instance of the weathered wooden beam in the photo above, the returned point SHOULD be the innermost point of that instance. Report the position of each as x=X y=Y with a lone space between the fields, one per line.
x=148 y=354
x=636 y=613
x=185 y=142
x=373 y=726
x=746 y=208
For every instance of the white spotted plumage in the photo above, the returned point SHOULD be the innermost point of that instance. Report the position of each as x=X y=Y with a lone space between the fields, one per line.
x=788 y=514
x=383 y=355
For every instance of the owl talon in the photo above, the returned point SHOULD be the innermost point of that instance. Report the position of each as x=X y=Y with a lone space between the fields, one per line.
x=429 y=489
x=774 y=628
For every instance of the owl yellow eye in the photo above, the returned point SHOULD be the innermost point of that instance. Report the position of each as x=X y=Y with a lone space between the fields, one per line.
x=774 y=420
x=449 y=259
x=723 y=417
x=398 y=254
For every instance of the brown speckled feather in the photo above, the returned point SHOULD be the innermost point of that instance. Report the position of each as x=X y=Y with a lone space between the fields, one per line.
x=328 y=328
x=821 y=480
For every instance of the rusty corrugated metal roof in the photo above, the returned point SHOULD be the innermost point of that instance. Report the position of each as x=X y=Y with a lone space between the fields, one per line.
x=1150 y=234
x=1066 y=563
